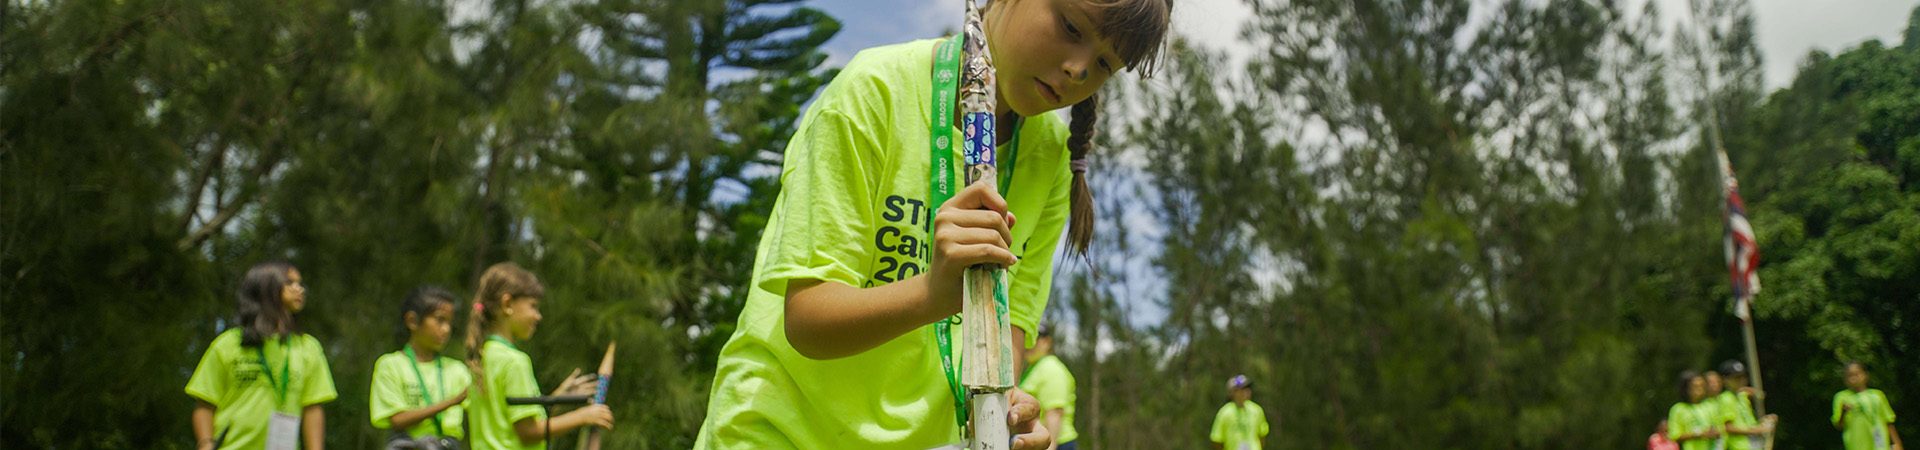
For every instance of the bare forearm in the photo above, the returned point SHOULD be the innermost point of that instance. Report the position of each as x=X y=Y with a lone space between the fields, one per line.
x=534 y=430
x=1054 y=417
x=313 y=422
x=408 y=419
x=829 y=320
x=202 y=424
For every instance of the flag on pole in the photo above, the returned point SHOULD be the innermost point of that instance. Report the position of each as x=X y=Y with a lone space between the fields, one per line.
x=1743 y=253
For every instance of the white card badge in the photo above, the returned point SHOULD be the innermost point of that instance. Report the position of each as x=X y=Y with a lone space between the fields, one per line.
x=1880 y=437
x=283 y=432
x=1246 y=446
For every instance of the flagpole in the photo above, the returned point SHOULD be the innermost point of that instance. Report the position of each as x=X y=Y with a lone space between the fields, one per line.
x=1753 y=356
x=1742 y=301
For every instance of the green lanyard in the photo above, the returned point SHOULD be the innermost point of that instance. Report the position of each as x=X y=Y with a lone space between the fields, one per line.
x=946 y=77
x=440 y=374
x=286 y=375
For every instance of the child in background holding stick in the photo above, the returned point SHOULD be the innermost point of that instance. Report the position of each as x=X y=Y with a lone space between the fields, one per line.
x=506 y=309
x=413 y=393
x=261 y=383
x=836 y=347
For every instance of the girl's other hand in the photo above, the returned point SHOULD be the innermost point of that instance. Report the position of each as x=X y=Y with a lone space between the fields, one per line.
x=1023 y=414
x=576 y=384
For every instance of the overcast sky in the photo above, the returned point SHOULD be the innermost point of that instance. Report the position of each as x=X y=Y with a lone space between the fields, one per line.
x=1788 y=29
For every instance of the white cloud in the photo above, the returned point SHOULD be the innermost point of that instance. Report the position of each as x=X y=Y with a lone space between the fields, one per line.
x=1215 y=24
x=1788 y=29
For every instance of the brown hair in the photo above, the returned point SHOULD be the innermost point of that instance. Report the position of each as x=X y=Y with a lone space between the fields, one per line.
x=259 y=313
x=506 y=279
x=1137 y=29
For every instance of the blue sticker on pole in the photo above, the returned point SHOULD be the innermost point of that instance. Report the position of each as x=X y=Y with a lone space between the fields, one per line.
x=979 y=141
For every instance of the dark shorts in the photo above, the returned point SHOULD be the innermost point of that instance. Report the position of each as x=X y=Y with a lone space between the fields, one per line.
x=1075 y=445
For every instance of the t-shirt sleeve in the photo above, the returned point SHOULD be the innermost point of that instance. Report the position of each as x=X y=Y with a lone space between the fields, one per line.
x=319 y=386
x=1219 y=434
x=211 y=378
x=388 y=395
x=1886 y=409
x=519 y=382
x=1052 y=390
x=1033 y=279
x=1676 y=421
x=825 y=204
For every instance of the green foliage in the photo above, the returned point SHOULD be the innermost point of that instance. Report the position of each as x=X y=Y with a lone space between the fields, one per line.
x=1840 y=228
x=1489 y=236
x=1433 y=223
x=154 y=149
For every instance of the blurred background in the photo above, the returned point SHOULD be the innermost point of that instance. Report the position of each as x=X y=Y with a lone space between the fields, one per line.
x=1413 y=223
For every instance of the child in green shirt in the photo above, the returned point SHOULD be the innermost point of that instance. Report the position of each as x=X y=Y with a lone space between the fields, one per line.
x=1692 y=422
x=506 y=309
x=835 y=347
x=1240 y=424
x=413 y=393
x=1051 y=384
x=1736 y=409
x=1863 y=414
x=261 y=383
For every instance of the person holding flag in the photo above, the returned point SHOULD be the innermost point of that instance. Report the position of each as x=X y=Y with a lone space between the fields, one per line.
x=1736 y=409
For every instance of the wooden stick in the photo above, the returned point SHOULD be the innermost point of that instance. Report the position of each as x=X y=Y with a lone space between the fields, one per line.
x=987 y=347
x=595 y=434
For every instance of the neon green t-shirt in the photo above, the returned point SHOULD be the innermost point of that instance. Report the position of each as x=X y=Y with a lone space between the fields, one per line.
x=1052 y=385
x=1239 y=428
x=231 y=378
x=1691 y=418
x=852 y=209
x=1866 y=425
x=509 y=373
x=1737 y=409
x=396 y=389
